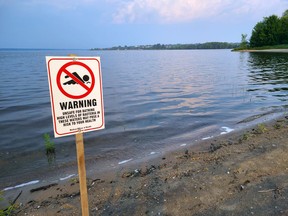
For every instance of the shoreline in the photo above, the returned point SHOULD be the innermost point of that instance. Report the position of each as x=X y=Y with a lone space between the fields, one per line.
x=61 y=172
x=223 y=175
x=264 y=51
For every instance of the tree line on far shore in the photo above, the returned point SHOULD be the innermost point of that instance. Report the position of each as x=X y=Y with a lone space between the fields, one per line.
x=207 y=45
x=271 y=31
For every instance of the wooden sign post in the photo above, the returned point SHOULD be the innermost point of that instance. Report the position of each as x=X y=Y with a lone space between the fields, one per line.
x=77 y=106
x=82 y=173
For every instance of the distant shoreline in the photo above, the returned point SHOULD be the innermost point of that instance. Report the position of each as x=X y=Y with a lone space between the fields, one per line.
x=265 y=50
x=207 y=45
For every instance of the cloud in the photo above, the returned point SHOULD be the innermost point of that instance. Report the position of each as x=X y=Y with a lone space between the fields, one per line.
x=175 y=11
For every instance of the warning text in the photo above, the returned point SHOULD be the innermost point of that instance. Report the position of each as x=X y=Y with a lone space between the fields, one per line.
x=78 y=117
x=78 y=104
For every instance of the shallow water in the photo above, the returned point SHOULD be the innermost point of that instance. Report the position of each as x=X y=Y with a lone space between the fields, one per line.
x=154 y=101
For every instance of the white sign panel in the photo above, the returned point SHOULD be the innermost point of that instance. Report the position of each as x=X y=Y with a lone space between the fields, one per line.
x=76 y=95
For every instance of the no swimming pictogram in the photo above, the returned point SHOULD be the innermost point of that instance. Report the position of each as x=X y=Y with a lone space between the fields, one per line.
x=75 y=80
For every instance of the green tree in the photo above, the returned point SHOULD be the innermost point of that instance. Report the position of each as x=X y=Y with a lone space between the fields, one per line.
x=284 y=28
x=285 y=14
x=273 y=29
x=258 y=35
x=266 y=32
x=244 y=42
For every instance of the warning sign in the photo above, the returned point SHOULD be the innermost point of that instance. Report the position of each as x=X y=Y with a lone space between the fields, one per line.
x=76 y=94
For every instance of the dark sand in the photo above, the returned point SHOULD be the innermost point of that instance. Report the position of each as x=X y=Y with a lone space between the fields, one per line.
x=244 y=173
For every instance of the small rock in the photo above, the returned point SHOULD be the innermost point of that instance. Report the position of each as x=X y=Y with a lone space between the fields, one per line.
x=95 y=209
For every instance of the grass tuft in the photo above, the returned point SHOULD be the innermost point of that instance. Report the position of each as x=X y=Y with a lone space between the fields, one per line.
x=49 y=145
x=261 y=128
x=246 y=136
x=9 y=210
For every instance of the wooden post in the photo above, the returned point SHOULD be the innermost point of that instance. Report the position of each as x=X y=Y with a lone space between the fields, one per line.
x=82 y=173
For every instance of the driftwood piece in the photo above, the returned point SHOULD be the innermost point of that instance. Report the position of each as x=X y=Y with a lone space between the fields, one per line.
x=14 y=201
x=43 y=187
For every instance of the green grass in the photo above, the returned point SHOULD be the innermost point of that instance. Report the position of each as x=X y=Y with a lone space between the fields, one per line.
x=278 y=126
x=9 y=210
x=49 y=145
x=261 y=128
x=280 y=46
x=246 y=136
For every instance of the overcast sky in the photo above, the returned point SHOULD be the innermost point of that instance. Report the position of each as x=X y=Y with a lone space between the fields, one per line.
x=105 y=23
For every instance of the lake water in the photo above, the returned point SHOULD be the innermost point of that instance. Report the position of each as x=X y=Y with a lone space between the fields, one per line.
x=154 y=101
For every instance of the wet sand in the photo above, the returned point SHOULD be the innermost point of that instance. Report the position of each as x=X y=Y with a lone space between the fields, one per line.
x=243 y=173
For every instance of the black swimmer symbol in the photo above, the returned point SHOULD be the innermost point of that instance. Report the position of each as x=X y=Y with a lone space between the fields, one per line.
x=85 y=79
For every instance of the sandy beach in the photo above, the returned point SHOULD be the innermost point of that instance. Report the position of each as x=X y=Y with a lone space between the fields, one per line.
x=267 y=51
x=243 y=173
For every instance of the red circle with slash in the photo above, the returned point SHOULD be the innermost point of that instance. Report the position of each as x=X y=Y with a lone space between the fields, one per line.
x=64 y=70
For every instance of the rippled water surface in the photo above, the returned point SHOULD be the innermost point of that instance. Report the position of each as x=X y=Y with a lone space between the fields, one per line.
x=154 y=100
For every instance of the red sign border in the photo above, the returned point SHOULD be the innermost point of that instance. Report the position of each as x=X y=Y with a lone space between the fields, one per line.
x=52 y=98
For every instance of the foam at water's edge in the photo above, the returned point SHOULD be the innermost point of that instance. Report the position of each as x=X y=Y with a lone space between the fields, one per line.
x=125 y=161
x=22 y=185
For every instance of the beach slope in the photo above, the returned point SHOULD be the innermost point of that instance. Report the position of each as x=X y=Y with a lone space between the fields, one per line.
x=237 y=174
